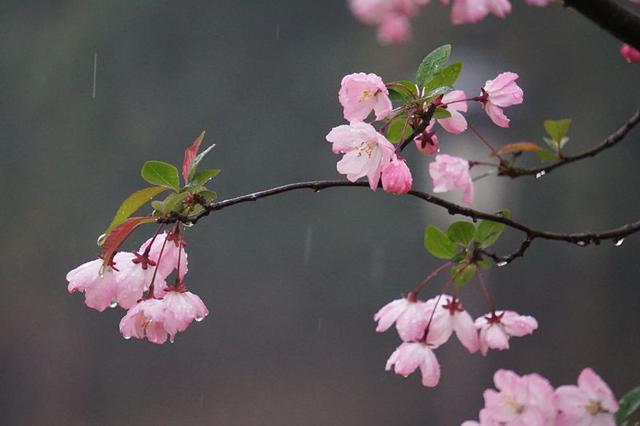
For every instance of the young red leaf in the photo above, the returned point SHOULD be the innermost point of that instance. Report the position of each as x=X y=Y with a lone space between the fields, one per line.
x=119 y=235
x=189 y=154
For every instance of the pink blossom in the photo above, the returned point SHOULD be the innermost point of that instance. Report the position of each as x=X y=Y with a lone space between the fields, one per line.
x=394 y=29
x=591 y=403
x=450 y=317
x=370 y=11
x=182 y=307
x=540 y=3
x=501 y=92
x=630 y=54
x=455 y=103
x=362 y=93
x=449 y=173
x=412 y=355
x=367 y=152
x=427 y=142
x=170 y=258
x=145 y=319
x=99 y=289
x=519 y=401
x=499 y=8
x=157 y=319
x=409 y=315
x=396 y=177
x=497 y=327
x=134 y=277
x=468 y=11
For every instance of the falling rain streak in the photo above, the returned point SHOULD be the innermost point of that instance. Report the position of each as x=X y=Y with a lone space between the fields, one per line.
x=95 y=74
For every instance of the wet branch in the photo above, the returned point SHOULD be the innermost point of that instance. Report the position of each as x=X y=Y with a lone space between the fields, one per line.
x=612 y=17
x=609 y=141
x=580 y=238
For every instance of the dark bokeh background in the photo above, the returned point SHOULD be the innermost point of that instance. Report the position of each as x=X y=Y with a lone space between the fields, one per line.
x=292 y=282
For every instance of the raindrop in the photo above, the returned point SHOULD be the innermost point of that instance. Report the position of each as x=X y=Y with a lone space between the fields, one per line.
x=188 y=224
x=618 y=242
x=100 y=239
x=278 y=31
x=307 y=244
x=126 y=337
x=113 y=304
x=198 y=319
x=581 y=243
x=502 y=263
x=540 y=174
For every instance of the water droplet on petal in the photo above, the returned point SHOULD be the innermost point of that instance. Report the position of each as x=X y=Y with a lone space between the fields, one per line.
x=199 y=318
x=502 y=263
x=619 y=242
x=101 y=239
x=172 y=339
x=113 y=304
x=540 y=174
x=126 y=337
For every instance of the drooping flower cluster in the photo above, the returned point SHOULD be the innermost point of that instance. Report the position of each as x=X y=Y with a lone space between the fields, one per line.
x=137 y=282
x=368 y=152
x=530 y=400
x=392 y=17
x=629 y=53
x=424 y=326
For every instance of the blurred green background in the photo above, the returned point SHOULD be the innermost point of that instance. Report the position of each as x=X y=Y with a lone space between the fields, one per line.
x=292 y=282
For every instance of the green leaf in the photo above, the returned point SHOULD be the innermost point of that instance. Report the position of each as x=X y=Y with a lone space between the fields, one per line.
x=401 y=90
x=209 y=195
x=432 y=63
x=557 y=129
x=488 y=232
x=546 y=155
x=484 y=263
x=197 y=160
x=161 y=174
x=438 y=243
x=119 y=235
x=436 y=92
x=461 y=232
x=202 y=177
x=398 y=130
x=173 y=201
x=629 y=410
x=447 y=76
x=132 y=204
x=159 y=207
x=463 y=273
x=441 y=113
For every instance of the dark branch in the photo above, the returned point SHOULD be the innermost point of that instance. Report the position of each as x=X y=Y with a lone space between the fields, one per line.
x=581 y=238
x=610 y=141
x=612 y=17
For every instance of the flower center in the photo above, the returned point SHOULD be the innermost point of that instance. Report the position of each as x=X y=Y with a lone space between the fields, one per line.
x=593 y=408
x=511 y=402
x=366 y=95
x=366 y=148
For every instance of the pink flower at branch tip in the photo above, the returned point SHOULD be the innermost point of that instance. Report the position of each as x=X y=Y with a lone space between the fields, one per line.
x=497 y=328
x=450 y=317
x=412 y=355
x=396 y=177
x=590 y=403
x=630 y=54
x=455 y=103
x=99 y=287
x=449 y=173
x=501 y=92
x=409 y=315
x=366 y=152
x=362 y=93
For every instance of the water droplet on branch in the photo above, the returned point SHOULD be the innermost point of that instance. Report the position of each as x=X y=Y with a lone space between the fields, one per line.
x=502 y=263
x=540 y=174
x=618 y=242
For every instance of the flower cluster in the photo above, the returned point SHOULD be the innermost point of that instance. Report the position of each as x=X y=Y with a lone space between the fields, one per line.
x=424 y=326
x=368 y=152
x=531 y=400
x=392 y=17
x=138 y=282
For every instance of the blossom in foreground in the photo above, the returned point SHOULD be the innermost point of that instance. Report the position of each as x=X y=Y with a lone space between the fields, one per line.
x=99 y=287
x=366 y=152
x=173 y=256
x=455 y=103
x=409 y=315
x=412 y=355
x=159 y=319
x=526 y=400
x=497 y=327
x=362 y=93
x=449 y=173
x=396 y=177
x=449 y=317
x=591 y=403
x=501 y=92
x=629 y=53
